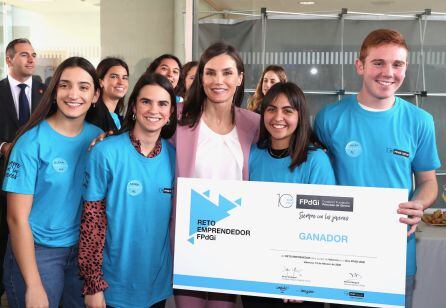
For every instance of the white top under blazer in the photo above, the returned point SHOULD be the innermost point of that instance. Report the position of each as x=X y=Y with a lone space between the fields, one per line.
x=218 y=156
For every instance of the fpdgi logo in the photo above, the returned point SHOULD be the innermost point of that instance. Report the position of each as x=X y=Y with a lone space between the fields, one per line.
x=204 y=213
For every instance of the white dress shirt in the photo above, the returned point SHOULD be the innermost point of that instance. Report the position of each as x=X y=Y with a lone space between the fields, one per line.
x=15 y=90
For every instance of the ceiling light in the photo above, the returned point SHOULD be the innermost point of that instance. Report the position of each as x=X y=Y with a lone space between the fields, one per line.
x=313 y=71
x=383 y=2
x=307 y=2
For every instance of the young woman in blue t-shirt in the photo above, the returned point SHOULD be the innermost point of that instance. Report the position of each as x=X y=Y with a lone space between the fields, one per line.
x=44 y=184
x=124 y=249
x=287 y=151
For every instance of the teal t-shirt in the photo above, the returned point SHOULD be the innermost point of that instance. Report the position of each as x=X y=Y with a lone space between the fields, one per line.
x=315 y=170
x=137 y=262
x=379 y=149
x=116 y=120
x=50 y=166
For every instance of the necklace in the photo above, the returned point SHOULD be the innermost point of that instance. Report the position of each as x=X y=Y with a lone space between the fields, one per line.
x=278 y=153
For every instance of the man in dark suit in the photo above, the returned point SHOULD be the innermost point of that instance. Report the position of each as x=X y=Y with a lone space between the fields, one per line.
x=19 y=96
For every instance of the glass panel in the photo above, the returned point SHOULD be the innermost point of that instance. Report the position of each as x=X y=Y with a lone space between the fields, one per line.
x=310 y=53
x=245 y=35
x=55 y=34
x=435 y=52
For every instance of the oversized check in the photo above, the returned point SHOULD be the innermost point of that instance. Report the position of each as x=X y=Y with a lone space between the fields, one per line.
x=337 y=244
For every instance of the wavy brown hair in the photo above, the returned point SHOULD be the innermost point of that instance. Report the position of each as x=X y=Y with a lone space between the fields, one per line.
x=255 y=100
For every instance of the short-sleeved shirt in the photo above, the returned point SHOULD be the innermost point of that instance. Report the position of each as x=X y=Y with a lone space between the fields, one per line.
x=50 y=166
x=137 y=262
x=379 y=149
x=315 y=170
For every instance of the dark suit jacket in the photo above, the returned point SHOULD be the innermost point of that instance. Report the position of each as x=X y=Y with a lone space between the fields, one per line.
x=100 y=116
x=9 y=123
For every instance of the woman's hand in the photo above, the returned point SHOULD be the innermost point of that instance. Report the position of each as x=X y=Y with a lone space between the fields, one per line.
x=96 y=300
x=99 y=139
x=35 y=297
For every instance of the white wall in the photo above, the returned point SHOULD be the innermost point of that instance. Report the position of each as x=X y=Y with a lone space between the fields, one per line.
x=138 y=31
x=68 y=33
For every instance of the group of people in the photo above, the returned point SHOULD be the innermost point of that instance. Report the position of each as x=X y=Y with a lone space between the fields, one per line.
x=96 y=227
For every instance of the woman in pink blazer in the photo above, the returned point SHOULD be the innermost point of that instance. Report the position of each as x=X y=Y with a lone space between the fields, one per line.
x=214 y=137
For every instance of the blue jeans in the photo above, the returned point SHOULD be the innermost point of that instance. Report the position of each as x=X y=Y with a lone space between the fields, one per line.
x=59 y=272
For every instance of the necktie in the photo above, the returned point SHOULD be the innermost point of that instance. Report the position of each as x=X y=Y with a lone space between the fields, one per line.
x=23 y=105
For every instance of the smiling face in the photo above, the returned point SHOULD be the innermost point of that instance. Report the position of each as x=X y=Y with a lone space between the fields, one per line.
x=115 y=83
x=221 y=79
x=23 y=64
x=269 y=79
x=75 y=93
x=383 y=71
x=169 y=68
x=280 y=119
x=152 y=109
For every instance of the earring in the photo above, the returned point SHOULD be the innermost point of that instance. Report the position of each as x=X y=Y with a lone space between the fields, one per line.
x=94 y=104
x=133 y=117
x=168 y=122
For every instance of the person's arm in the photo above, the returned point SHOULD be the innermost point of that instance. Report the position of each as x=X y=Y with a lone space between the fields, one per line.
x=22 y=242
x=5 y=147
x=91 y=247
x=426 y=190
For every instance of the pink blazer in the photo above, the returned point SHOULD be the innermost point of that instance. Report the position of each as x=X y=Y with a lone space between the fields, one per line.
x=186 y=138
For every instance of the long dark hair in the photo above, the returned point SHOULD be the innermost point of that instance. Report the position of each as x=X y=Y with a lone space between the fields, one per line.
x=47 y=106
x=193 y=104
x=155 y=63
x=102 y=70
x=303 y=138
x=152 y=79
x=186 y=68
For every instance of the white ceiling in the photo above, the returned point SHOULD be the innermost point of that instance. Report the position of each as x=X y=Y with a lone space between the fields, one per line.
x=378 y=6
x=56 y=6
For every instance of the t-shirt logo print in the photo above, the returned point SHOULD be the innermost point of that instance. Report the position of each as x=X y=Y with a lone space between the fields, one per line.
x=60 y=165
x=134 y=188
x=353 y=149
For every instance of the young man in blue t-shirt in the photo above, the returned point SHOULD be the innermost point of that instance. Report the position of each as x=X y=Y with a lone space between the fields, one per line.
x=377 y=139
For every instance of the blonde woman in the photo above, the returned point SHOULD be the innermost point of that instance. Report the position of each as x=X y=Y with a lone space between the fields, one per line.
x=271 y=75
